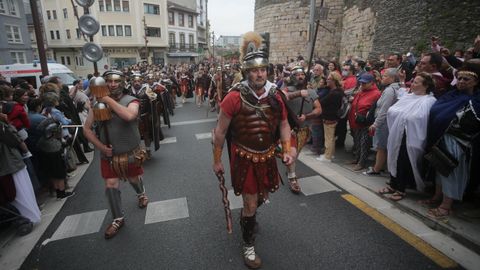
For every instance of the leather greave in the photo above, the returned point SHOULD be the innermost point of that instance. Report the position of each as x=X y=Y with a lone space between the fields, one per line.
x=138 y=186
x=248 y=225
x=115 y=202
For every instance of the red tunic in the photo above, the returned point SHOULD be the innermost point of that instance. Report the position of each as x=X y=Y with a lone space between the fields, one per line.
x=231 y=106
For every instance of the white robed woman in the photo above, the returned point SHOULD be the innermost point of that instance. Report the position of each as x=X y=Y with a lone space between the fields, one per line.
x=407 y=124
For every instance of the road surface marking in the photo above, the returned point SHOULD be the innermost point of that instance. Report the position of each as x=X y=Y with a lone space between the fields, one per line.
x=169 y=140
x=80 y=224
x=315 y=185
x=419 y=244
x=202 y=136
x=166 y=210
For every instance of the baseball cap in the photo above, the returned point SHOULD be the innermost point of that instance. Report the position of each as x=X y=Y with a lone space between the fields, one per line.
x=366 y=78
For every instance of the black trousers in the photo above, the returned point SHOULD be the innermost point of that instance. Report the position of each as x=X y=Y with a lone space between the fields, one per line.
x=405 y=177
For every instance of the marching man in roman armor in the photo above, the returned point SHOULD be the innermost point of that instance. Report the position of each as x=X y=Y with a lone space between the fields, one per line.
x=304 y=104
x=255 y=115
x=149 y=126
x=118 y=139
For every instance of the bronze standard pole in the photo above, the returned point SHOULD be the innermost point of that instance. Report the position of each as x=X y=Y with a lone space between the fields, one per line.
x=39 y=37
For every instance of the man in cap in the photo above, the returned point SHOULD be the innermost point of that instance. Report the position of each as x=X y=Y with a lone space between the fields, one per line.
x=118 y=140
x=306 y=105
x=255 y=115
x=357 y=118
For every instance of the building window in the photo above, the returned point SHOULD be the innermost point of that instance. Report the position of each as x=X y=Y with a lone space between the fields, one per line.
x=58 y=34
x=104 y=31
x=108 y=5
x=171 y=18
x=116 y=5
x=128 y=30
x=181 y=19
x=52 y=35
x=111 y=30
x=79 y=60
x=3 y=10
x=119 y=30
x=151 y=9
x=68 y=34
x=54 y=14
x=65 y=13
x=126 y=5
x=18 y=57
x=62 y=59
x=79 y=33
x=49 y=16
x=101 y=5
x=171 y=39
x=190 y=21
x=68 y=61
x=191 y=40
x=13 y=34
x=154 y=32
x=12 y=7
x=182 y=40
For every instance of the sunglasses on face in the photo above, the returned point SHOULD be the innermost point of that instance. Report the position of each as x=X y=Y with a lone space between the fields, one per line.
x=464 y=79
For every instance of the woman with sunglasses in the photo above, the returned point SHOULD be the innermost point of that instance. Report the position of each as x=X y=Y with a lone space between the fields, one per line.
x=454 y=127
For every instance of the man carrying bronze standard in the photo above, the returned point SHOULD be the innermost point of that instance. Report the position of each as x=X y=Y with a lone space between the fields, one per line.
x=118 y=139
x=254 y=113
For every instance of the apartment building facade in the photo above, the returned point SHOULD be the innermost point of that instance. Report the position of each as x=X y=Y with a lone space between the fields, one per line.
x=182 y=33
x=15 y=44
x=130 y=31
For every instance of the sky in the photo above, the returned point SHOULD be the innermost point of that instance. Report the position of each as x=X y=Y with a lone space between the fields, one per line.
x=231 y=17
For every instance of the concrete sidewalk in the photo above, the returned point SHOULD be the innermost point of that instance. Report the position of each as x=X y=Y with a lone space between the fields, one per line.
x=15 y=249
x=456 y=237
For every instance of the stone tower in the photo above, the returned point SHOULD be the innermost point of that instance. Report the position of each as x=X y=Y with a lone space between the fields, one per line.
x=288 y=21
x=366 y=28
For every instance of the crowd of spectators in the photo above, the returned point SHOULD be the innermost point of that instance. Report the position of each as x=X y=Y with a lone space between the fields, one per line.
x=421 y=115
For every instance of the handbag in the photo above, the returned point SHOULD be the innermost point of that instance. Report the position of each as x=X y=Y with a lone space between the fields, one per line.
x=443 y=162
x=70 y=159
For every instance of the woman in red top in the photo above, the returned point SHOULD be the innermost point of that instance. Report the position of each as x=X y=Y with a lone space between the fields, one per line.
x=361 y=103
x=18 y=117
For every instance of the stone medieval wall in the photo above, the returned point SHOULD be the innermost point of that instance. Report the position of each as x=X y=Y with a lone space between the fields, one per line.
x=287 y=22
x=367 y=28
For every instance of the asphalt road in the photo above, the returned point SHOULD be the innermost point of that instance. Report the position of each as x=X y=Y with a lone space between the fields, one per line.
x=321 y=231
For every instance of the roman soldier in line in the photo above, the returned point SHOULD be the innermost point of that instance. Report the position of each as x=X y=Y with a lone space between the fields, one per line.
x=149 y=125
x=255 y=115
x=184 y=85
x=202 y=82
x=306 y=105
x=118 y=139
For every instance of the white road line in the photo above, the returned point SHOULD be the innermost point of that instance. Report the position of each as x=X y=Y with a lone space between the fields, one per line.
x=166 y=210
x=183 y=123
x=169 y=140
x=80 y=224
x=315 y=185
x=235 y=201
x=202 y=136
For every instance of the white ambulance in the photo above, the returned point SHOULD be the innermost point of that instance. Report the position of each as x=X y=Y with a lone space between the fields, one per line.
x=33 y=72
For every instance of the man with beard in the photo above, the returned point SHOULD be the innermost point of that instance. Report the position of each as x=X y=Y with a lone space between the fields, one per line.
x=118 y=140
x=255 y=115
x=147 y=99
x=305 y=104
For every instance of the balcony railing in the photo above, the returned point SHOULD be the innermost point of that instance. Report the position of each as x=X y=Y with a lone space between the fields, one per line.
x=182 y=47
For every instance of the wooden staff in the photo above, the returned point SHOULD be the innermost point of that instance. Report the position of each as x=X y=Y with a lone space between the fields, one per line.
x=226 y=203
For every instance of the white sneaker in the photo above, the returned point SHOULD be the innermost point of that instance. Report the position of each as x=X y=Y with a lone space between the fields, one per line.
x=323 y=158
x=26 y=155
